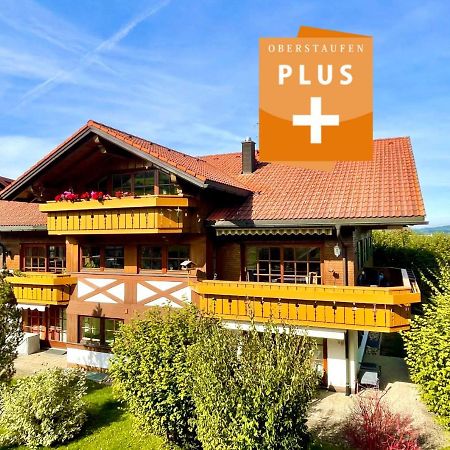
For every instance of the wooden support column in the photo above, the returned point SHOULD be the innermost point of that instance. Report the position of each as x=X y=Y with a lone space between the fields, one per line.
x=72 y=254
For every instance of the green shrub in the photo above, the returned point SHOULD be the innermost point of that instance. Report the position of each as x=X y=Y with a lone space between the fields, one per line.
x=428 y=349
x=251 y=390
x=150 y=373
x=43 y=409
x=10 y=330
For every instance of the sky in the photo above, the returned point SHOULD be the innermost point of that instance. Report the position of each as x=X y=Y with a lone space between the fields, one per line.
x=184 y=73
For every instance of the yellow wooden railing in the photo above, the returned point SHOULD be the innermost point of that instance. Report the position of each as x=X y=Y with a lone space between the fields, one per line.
x=151 y=214
x=42 y=288
x=385 y=309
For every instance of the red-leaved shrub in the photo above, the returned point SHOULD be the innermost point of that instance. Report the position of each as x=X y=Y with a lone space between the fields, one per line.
x=373 y=426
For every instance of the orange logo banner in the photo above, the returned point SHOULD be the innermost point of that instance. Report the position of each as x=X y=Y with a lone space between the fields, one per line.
x=315 y=97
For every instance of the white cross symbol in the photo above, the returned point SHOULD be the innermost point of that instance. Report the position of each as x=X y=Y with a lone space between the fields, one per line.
x=315 y=120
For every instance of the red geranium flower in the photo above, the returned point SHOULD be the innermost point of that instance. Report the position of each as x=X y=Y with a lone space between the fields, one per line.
x=58 y=198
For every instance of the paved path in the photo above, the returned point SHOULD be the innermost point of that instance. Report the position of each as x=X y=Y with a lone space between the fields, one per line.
x=329 y=412
x=45 y=359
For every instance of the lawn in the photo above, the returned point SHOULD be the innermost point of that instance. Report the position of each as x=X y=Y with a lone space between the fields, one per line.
x=109 y=427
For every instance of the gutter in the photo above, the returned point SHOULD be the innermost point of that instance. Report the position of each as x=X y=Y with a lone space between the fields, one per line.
x=11 y=228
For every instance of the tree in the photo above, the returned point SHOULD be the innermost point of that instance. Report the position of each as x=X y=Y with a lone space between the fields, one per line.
x=150 y=372
x=251 y=390
x=10 y=330
x=428 y=349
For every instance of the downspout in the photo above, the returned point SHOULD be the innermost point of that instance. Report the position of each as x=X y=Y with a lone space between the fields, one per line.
x=3 y=253
x=348 y=389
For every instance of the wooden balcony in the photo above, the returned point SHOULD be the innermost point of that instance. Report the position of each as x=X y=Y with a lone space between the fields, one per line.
x=42 y=288
x=129 y=215
x=384 y=309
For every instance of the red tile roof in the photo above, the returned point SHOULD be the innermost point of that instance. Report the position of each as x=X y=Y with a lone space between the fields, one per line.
x=20 y=214
x=197 y=167
x=386 y=187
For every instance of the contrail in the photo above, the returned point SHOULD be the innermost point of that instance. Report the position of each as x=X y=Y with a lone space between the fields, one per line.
x=88 y=58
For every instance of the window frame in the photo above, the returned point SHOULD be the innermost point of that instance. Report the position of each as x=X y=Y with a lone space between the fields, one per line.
x=46 y=247
x=102 y=331
x=173 y=186
x=282 y=261
x=165 y=258
x=102 y=267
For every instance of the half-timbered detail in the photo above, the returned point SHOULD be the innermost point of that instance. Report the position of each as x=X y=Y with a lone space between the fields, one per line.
x=110 y=225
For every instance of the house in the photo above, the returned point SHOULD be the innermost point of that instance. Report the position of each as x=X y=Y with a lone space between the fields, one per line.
x=260 y=241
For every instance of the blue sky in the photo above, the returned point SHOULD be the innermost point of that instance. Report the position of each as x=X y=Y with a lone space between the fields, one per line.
x=185 y=73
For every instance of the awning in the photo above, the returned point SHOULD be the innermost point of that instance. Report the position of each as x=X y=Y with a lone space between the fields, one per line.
x=28 y=306
x=273 y=231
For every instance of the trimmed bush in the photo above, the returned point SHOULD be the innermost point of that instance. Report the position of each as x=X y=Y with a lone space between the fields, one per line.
x=10 y=330
x=43 y=409
x=373 y=426
x=251 y=390
x=150 y=372
x=428 y=349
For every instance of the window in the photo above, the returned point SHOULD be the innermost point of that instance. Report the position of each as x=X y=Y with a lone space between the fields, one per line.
x=166 y=185
x=98 y=330
x=111 y=328
x=35 y=259
x=90 y=257
x=286 y=264
x=108 y=257
x=151 y=258
x=114 y=257
x=121 y=182
x=44 y=258
x=56 y=258
x=90 y=330
x=176 y=254
x=144 y=183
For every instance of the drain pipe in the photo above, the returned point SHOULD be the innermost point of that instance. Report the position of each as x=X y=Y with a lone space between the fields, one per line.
x=3 y=253
x=348 y=389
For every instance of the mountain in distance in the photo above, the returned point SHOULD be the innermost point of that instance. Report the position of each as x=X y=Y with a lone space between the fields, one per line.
x=432 y=230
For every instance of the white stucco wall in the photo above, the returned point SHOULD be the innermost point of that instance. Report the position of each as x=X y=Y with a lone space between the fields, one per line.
x=87 y=358
x=336 y=364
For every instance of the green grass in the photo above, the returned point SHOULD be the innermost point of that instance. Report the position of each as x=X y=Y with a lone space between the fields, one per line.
x=108 y=427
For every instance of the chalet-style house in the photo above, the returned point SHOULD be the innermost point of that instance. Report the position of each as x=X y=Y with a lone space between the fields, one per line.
x=101 y=226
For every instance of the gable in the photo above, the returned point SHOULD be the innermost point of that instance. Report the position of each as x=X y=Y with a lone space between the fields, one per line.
x=94 y=149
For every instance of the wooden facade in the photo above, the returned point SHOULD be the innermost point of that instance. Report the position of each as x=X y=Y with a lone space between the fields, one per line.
x=121 y=256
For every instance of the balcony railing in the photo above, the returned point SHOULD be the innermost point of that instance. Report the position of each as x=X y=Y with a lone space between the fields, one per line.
x=42 y=288
x=385 y=309
x=151 y=214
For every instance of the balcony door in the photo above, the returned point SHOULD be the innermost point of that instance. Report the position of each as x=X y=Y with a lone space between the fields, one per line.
x=283 y=264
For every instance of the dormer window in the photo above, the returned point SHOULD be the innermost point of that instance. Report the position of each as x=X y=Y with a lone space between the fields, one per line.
x=145 y=182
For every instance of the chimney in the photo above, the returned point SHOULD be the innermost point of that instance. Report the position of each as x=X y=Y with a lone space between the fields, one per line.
x=248 y=156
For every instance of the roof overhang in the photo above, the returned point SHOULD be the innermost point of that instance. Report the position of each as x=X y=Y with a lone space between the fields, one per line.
x=12 y=228
x=11 y=191
x=317 y=223
x=284 y=231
